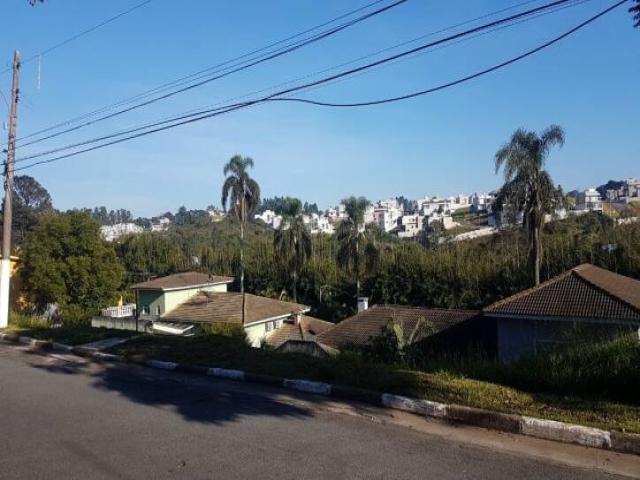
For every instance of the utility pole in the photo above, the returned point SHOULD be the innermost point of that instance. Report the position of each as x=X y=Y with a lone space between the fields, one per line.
x=5 y=265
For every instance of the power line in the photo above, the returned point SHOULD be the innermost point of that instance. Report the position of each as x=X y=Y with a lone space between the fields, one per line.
x=207 y=114
x=223 y=105
x=5 y=99
x=375 y=102
x=81 y=34
x=219 y=72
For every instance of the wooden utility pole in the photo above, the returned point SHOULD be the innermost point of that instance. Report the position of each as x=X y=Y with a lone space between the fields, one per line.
x=5 y=266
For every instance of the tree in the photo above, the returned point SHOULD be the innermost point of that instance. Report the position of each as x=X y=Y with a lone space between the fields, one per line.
x=242 y=194
x=528 y=187
x=30 y=201
x=66 y=262
x=635 y=9
x=356 y=246
x=292 y=242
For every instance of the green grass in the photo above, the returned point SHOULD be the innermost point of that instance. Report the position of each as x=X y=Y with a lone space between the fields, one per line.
x=354 y=370
x=75 y=333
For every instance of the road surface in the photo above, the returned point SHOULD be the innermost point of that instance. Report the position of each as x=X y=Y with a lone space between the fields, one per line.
x=65 y=417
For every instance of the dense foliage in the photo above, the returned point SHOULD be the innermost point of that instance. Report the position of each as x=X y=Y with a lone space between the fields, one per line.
x=468 y=274
x=66 y=262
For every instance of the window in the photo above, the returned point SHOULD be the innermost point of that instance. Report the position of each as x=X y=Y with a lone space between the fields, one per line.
x=146 y=310
x=158 y=310
x=268 y=326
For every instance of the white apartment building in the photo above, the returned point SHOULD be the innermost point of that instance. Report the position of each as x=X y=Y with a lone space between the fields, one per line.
x=111 y=233
x=160 y=225
x=589 y=201
x=410 y=226
x=387 y=218
x=270 y=218
x=480 y=202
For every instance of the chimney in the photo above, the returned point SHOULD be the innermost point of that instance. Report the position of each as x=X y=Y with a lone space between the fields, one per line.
x=363 y=304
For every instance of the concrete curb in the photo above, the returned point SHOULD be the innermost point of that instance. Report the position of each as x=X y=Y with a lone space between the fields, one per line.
x=520 y=424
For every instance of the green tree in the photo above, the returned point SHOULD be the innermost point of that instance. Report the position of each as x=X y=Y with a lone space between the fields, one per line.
x=356 y=245
x=292 y=242
x=242 y=194
x=30 y=201
x=528 y=187
x=66 y=262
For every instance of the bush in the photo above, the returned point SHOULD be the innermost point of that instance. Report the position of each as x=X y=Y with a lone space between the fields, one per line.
x=27 y=322
x=232 y=331
x=75 y=316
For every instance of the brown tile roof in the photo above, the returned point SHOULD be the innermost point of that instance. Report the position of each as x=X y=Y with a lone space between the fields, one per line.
x=585 y=291
x=181 y=280
x=359 y=329
x=306 y=330
x=226 y=307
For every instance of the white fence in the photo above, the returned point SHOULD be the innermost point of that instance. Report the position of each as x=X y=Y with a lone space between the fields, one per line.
x=119 y=312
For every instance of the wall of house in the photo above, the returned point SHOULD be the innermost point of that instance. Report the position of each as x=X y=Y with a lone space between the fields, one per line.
x=257 y=332
x=151 y=299
x=167 y=301
x=519 y=338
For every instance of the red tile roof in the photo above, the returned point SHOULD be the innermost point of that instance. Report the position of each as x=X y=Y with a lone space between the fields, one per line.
x=181 y=280
x=362 y=327
x=585 y=292
x=307 y=330
x=226 y=307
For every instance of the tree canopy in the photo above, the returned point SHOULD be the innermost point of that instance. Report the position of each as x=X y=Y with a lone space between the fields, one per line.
x=66 y=262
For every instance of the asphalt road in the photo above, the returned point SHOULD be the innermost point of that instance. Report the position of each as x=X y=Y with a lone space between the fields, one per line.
x=63 y=417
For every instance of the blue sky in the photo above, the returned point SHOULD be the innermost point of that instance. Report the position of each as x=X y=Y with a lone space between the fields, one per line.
x=438 y=144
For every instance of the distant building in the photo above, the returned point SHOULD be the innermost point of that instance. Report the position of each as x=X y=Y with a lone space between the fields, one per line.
x=111 y=233
x=410 y=226
x=160 y=225
x=589 y=200
x=270 y=218
x=480 y=202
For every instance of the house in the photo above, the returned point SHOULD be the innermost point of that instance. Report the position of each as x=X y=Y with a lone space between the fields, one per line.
x=298 y=334
x=111 y=233
x=589 y=200
x=161 y=225
x=417 y=324
x=586 y=300
x=161 y=295
x=263 y=316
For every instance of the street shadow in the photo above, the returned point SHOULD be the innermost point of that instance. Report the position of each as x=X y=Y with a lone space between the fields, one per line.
x=195 y=398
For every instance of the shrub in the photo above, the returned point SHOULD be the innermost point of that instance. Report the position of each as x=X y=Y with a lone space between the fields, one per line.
x=18 y=320
x=225 y=330
x=75 y=316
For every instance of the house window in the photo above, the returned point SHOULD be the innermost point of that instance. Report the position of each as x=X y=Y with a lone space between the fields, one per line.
x=146 y=310
x=158 y=310
x=268 y=326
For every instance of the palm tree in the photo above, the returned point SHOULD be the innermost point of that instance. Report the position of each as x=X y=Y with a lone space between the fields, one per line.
x=635 y=9
x=243 y=196
x=292 y=241
x=528 y=188
x=355 y=243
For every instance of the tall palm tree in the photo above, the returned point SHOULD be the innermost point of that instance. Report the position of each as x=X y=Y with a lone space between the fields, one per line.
x=528 y=188
x=356 y=246
x=635 y=9
x=292 y=241
x=243 y=196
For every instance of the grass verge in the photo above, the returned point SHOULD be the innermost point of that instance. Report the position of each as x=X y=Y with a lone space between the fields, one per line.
x=353 y=370
x=76 y=335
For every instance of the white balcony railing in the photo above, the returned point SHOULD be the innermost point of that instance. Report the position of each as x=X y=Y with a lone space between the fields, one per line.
x=119 y=312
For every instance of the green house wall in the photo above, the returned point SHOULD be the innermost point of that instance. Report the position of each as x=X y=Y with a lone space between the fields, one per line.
x=160 y=302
